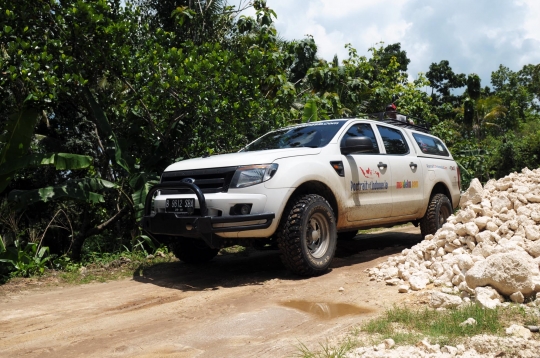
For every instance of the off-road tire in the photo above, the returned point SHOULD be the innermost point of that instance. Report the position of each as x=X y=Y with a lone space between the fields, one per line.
x=438 y=211
x=192 y=251
x=303 y=254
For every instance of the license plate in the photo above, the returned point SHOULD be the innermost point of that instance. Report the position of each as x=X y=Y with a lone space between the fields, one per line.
x=185 y=206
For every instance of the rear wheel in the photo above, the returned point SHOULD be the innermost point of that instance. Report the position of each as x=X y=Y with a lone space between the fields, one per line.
x=438 y=211
x=192 y=251
x=307 y=235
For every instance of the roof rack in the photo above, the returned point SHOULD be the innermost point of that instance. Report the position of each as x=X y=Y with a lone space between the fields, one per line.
x=419 y=124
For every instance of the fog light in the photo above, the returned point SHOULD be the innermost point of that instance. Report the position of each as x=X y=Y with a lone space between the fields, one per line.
x=245 y=209
x=241 y=209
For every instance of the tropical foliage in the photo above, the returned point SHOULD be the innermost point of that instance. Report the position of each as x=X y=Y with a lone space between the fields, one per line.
x=99 y=96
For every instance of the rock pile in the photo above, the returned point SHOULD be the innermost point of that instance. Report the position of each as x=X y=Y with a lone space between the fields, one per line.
x=475 y=347
x=489 y=250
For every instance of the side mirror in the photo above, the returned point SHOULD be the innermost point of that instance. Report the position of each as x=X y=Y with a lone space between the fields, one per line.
x=357 y=145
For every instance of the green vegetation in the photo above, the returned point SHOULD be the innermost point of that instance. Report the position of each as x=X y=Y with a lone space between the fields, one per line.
x=98 y=97
x=327 y=350
x=405 y=326
x=408 y=326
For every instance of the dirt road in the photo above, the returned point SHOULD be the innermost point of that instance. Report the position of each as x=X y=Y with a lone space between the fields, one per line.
x=235 y=306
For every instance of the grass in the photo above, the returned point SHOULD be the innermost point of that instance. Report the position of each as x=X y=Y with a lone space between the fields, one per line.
x=327 y=350
x=93 y=268
x=405 y=325
x=112 y=266
x=408 y=326
x=99 y=267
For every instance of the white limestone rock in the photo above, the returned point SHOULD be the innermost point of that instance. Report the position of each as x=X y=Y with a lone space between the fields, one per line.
x=532 y=232
x=418 y=281
x=506 y=272
x=444 y=300
x=500 y=202
x=468 y=322
x=403 y=289
x=389 y=343
x=465 y=215
x=488 y=297
x=518 y=331
x=471 y=229
x=492 y=226
x=481 y=222
x=517 y=297
x=483 y=236
x=493 y=240
x=473 y=194
x=533 y=248
x=464 y=262
x=532 y=198
x=535 y=215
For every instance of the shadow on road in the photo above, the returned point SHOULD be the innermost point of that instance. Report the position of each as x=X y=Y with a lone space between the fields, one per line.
x=368 y=247
x=254 y=267
x=231 y=270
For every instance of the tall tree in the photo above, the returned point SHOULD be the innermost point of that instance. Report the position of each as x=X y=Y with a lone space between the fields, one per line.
x=443 y=80
x=392 y=51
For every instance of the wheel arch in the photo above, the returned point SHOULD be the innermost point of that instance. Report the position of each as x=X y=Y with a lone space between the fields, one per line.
x=319 y=188
x=441 y=188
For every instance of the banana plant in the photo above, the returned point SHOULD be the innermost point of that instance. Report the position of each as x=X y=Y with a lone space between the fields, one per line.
x=25 y=260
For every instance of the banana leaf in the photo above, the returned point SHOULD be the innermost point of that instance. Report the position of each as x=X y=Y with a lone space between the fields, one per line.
x=61 y=161
x=141 y=185
x=86 y=190
x=105 y=127
x=19 y=129
x=310 y=112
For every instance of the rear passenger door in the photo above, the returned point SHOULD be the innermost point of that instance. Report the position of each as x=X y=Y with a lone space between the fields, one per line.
x=400 y=158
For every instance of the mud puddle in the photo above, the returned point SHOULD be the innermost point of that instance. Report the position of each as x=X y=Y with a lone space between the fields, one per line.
x=326 y=310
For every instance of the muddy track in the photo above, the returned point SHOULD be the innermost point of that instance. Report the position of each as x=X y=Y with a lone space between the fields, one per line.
x=234 y=306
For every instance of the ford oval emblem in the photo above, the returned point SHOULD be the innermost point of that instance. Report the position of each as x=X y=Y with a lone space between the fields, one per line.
x=188 y=180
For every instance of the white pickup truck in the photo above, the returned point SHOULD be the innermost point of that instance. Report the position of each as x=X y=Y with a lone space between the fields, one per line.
x=304 y=187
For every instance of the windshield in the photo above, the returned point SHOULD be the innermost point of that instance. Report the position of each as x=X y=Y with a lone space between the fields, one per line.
x=311 y=135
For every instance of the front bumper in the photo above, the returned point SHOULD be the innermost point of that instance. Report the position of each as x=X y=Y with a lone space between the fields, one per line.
x=197 y=226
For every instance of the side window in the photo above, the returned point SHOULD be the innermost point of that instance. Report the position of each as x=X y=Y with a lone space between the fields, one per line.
x=362 y=130
x=430 y=145
x=393 y=140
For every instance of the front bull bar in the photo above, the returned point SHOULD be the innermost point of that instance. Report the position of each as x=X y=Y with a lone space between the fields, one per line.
x=195 y=226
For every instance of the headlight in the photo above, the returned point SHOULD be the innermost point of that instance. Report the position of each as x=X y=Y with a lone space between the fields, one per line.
x=253 y=174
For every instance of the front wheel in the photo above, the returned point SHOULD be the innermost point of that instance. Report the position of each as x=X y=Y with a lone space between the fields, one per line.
x=192 y=251
x=307 y=235
x=438 y=211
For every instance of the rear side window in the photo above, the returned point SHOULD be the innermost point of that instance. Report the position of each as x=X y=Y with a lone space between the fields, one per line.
x=362 y=130
x=393 y=140
x=430 y=145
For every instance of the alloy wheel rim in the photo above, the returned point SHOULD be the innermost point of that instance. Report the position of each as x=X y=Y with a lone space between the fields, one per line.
x=317 y=235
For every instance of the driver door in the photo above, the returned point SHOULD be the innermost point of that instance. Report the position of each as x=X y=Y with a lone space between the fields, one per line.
x=367 y=182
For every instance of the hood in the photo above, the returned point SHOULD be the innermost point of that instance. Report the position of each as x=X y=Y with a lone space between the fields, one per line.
x=241 y=158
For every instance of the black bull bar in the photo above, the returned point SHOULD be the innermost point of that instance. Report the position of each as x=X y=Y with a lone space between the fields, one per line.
x=195 y=226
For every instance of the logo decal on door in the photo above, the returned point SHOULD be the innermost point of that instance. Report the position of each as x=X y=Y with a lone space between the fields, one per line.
x=371 y=185
x=370 y=173
x=407 y=184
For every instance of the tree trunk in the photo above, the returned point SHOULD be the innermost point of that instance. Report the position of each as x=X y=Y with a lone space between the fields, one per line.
x=78 y=242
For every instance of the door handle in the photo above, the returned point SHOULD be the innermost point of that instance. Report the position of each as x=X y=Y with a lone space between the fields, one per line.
x=413 y=165
x=382 y=165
